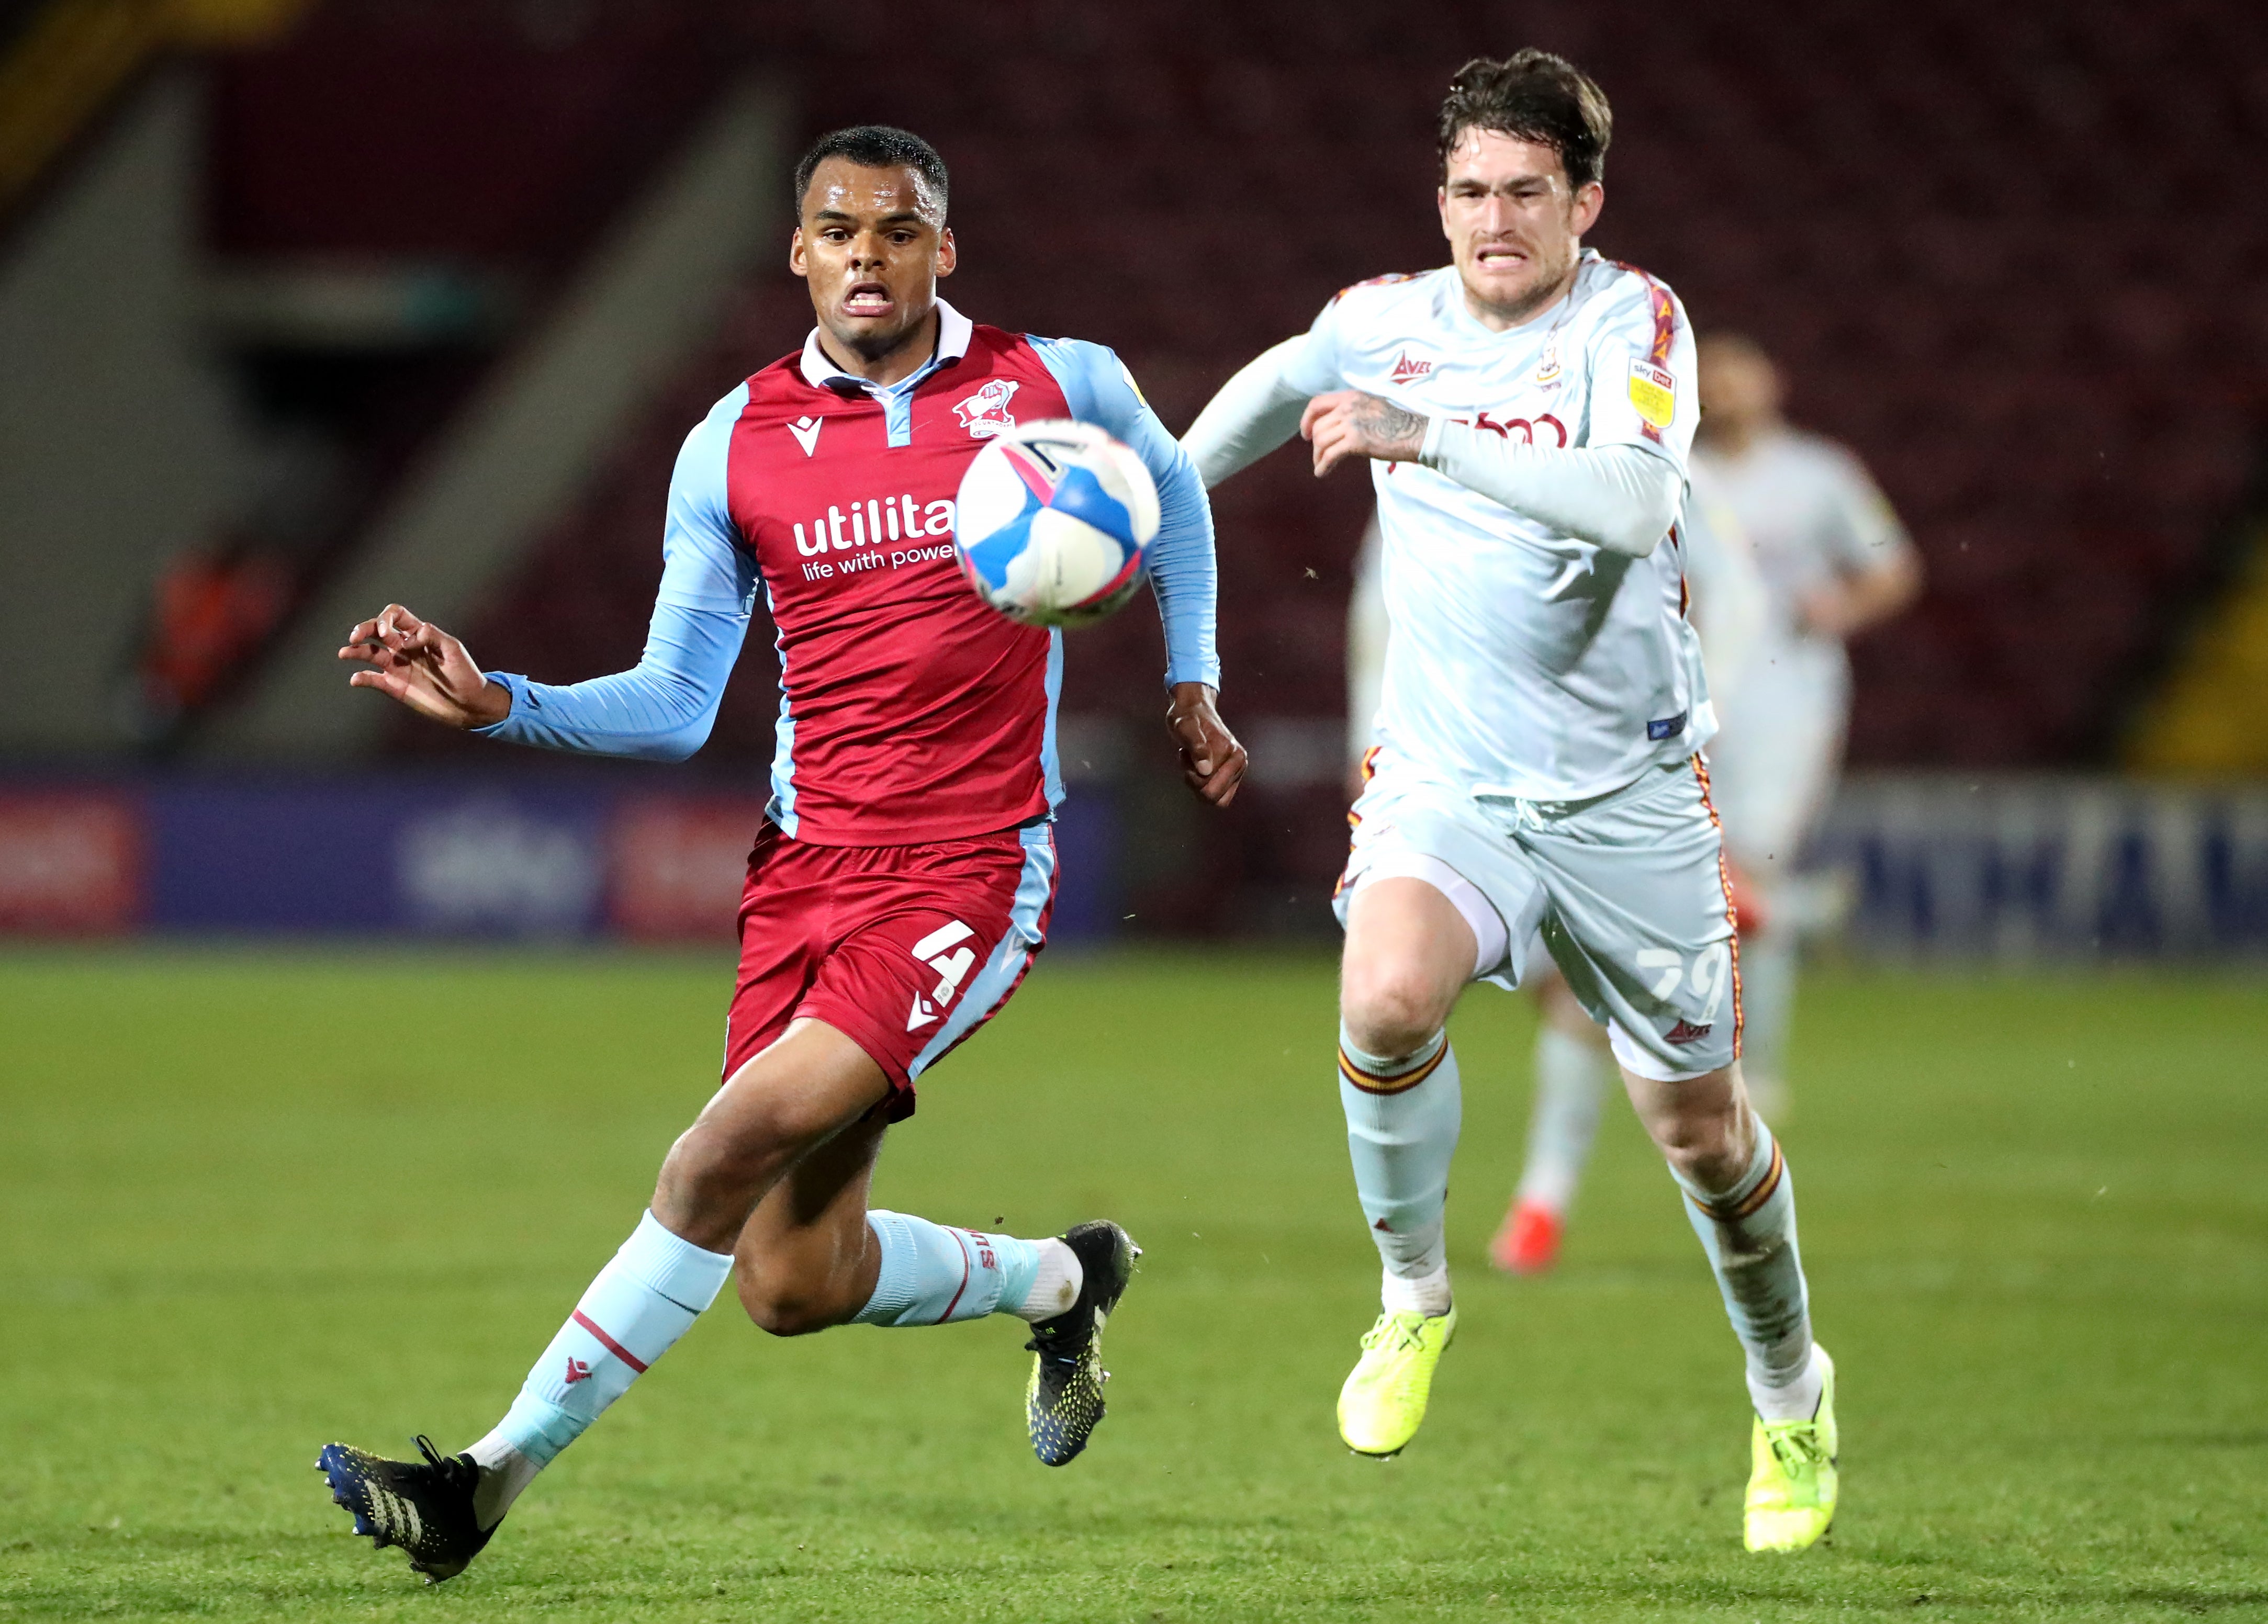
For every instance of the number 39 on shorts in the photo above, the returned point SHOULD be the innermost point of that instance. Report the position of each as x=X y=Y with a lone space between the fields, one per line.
x=1707 y=974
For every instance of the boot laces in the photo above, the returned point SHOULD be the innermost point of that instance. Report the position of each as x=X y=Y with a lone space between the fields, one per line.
x=1797 y=1449
x=1395 y=1333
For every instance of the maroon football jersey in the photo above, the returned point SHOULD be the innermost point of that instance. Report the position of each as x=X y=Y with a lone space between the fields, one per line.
x=911 y=709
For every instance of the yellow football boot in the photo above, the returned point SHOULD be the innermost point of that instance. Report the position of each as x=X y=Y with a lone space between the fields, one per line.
x=1384 y=1398
x=1791 y=1482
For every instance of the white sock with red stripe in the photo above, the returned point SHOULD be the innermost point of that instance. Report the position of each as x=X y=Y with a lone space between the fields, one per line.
x=646 y=1297
x=933 y=1275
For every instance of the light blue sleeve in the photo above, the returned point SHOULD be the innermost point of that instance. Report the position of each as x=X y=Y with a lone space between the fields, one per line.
x=1182 y=573
x=662 y=708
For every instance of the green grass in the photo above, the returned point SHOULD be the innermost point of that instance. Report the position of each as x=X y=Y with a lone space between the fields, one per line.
x=249 y=1203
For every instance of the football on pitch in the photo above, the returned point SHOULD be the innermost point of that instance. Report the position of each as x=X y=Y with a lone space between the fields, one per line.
x=1054 y=523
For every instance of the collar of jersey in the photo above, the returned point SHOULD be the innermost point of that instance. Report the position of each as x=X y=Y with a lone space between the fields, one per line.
x=1542 y=321
x=953 y=331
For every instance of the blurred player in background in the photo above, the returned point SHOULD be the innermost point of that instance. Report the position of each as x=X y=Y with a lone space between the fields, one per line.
x=1835 y=562
x=1527 y=412
x=903 y=875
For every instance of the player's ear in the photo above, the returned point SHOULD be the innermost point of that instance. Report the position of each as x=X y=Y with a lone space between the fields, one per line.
x=948 y=256
x=1590 y=198
x=1441 y=203
x=796 y=259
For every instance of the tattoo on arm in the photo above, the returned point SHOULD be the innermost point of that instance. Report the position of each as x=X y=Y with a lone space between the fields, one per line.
x=1386 y=424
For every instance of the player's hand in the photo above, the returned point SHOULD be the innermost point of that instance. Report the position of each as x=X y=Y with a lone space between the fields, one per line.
x=1212 y=763
x=425 y=668
x=1351 y=423
x=1825 y=612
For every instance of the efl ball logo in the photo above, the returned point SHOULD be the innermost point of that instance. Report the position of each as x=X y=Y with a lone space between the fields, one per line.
x=1054 y=523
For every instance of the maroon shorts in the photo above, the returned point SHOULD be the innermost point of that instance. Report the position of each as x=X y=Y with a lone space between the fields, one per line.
x=904 y=950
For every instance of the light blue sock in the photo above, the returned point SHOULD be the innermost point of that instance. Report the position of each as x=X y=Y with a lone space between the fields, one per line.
x=1572 y=1079
x=1769 y=965
x=641 y=1302
x=1402 y=1113
x=932 y=1274
x=1748 y=1232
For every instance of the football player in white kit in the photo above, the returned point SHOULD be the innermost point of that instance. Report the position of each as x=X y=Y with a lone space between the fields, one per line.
x=1835 y=562
x=1527 y=412
x=1573 y=1068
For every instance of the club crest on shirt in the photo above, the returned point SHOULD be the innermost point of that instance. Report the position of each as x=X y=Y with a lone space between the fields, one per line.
x=1547 y=370
x=985 y=413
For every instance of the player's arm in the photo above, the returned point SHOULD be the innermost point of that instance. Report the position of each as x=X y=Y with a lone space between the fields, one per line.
x=661 y=709
x=1254 y=412
x=1615 y=497
x=1879 y=572
x=1620 y=489
x=1183 y=572
x=1259 y=408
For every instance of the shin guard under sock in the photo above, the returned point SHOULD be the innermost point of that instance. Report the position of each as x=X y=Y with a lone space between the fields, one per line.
x=1402 y=1113
x=646 y=1297
x=1748 y=1232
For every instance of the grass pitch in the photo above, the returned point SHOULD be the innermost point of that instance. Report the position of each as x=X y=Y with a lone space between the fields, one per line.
x=249 y=1203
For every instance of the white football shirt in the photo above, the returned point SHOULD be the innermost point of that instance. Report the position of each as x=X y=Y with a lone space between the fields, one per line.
x=1524 y=663
x=1811 y=515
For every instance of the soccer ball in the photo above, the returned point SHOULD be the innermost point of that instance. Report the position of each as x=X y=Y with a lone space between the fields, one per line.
x=1054 y=523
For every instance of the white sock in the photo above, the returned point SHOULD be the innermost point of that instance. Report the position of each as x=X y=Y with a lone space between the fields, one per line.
x=1402 y=1115
x=1424 y=1294
x=504 y=1472
x=1750 y=1235
x=1571 y=1077
x=1055 y=1288
x=1799 y=1398
x=1769 y=968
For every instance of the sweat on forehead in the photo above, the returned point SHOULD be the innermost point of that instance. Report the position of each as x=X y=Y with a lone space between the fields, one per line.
x=882 y=147
x=840 y=184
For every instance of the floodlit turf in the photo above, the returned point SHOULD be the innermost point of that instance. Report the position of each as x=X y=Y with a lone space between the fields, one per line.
x=249 y=1203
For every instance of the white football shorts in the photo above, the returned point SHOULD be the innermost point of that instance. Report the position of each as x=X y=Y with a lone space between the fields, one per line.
x=1627 y=892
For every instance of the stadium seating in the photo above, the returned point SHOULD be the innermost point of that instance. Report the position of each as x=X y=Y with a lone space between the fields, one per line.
x=2005 y=252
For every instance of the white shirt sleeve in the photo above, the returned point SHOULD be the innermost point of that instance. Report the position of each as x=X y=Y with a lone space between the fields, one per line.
x=1259 y=408
x=1615 y=496
x=1644 y=387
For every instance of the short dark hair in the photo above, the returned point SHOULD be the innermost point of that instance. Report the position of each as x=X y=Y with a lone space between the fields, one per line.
x=1532 y=95
x=874 y=146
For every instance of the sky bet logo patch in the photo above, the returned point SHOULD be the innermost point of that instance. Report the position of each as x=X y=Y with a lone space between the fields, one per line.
x=1653 y=392
x=1669 y=727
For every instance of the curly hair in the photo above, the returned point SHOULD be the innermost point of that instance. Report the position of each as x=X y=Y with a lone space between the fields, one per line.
x=1532 y=96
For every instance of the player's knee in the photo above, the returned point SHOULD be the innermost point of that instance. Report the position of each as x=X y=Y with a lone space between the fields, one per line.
x=710 y=1180
x=778 y=1302
x=1388 y=1009
x=1703 y=1148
